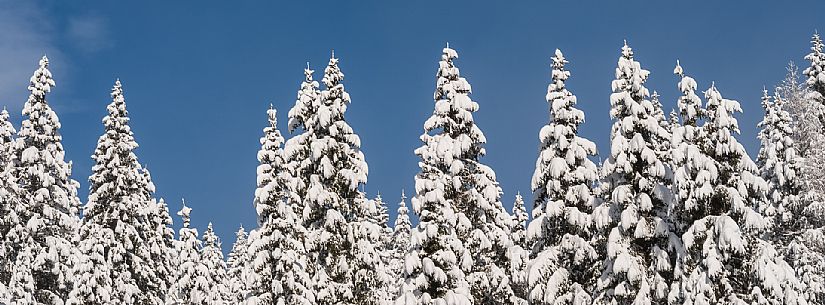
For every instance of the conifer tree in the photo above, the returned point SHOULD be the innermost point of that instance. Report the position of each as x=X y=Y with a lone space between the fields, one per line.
x=191 y=286
x=160 y=244
x=48 y=214
x=518 y=255
x=564 y=262
x=637 y=268
x=438 y=260
x=212 y=259
x=237 y=265
x=816 y=71
x=400 y=244
x=277 y=270
x=115 y=224
x=9 y=199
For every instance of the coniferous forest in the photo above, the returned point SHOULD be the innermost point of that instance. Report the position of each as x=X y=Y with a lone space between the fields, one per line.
x=676 y=212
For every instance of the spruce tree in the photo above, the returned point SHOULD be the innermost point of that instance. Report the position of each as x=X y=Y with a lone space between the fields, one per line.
x=518 y=255
x=400 y=244
x=438 y=260
x=48 y=214
x=115 y=221
x=212 y=260
x=9 y=199
x=564 y=264
x=637 y=267
x=191 y=286
x=237 y=265
x=277 y=270
x=816 y=71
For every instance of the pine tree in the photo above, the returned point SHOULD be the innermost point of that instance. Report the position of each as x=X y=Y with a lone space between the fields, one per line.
x=9 y=199
x=191 y=286
x=564 y=262
x=115 y=228
x=400 y=244
x=237 y=265
x=438 y=260
x=212 y=259
x=725 y=259
x=277 y=270
x=48 y=214
x=160 y=244
x=637 y=268
x=518 y=255
x=816 y=71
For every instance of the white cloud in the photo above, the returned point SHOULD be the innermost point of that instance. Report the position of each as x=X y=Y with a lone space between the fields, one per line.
x=25 y=36
x=88 y=33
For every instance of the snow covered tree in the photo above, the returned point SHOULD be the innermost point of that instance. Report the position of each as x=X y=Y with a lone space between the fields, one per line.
x=400 y=245
x=191 y=286
x=518 y=255
x=329 y=167
x=797 y=234
x=564 y=264
x=639 y=238
x=438 y=260
x=277 y=270
x=725 y=260
x=212 y=259
x=160 y=244
x=116 y=227
x=9 y=198
x=519 y=229
x=816 y=71
x=237 y=265
x=48 y=214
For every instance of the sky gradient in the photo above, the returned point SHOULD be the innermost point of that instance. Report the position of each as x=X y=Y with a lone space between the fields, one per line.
x=198 y=77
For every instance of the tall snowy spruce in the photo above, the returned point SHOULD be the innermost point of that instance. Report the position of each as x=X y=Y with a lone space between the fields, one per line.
x=116 y=227
x=399 y=245
x=438 y=260
x=9 y=199
x=565 y=264
x=633 y=218
x=796 y=236
x=277 y=267
x=329 y=167
x=236 y=265
x=41 y=241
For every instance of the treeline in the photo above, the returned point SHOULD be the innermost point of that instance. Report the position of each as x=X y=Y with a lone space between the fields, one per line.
x=678 y=213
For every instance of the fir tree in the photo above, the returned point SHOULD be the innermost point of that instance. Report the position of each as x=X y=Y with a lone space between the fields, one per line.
x=277 y=270
x=191 y=286
x=437 y=262
x=637 y=268
x=237 y=265
x=212 y=260
x=518 y=255
x=400 y=244
x=9 y=199
x=564 y=262
x=115 y=225
x=816 y=71
x=48 y=213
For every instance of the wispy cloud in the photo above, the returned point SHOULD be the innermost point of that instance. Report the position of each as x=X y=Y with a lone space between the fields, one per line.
x=88 y=33
x=25 y=35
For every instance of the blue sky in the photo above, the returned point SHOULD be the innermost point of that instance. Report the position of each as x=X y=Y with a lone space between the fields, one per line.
x=199 y=76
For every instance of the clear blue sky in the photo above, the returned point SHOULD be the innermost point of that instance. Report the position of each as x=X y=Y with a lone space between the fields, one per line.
x=199 y=75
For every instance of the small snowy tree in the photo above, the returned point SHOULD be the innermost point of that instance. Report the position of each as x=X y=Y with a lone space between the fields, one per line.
x=191 y=287
x=237 y=265
x=212 y=259
x=518 y=255
x=277 y=270
x=49 y=216
x=816 y=71
x=400 y=245
x=564 y=264
x=638 y=265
